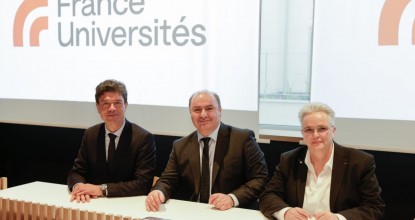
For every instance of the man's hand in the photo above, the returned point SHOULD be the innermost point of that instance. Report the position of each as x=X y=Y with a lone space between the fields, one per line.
x=221 y=201
x=325 y=215
x=296 y=213
x=84 y=192
x=82 y=198
x=153 y=201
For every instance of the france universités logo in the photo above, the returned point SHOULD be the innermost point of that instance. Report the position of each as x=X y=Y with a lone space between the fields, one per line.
x=39 y=24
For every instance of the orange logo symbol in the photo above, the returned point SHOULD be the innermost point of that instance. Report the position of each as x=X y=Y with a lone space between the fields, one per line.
x=38 y=25
x=389 y=22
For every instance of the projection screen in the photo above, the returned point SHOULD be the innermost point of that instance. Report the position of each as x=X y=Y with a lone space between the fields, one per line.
x=363 y=66
x=56 y=52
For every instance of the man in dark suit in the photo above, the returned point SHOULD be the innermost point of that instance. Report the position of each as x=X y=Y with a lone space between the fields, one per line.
x=117 y=157
x=323 y=180
x=236 y=165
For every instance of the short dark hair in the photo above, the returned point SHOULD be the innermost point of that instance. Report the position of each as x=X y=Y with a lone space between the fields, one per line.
x=110 y=85
x=214 y=94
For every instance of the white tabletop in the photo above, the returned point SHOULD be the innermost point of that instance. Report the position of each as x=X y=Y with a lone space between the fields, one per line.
x=57 y=194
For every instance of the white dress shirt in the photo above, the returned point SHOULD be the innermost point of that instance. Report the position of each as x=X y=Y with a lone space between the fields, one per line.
x=212 y=146
x=107 y=138
x=317 y=189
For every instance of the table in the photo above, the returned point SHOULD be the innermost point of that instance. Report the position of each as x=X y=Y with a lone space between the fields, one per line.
x=57 y=195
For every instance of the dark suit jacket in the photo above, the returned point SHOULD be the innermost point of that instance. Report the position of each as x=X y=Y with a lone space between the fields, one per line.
x=354 y=193
x=239 y=167
x=134 y=161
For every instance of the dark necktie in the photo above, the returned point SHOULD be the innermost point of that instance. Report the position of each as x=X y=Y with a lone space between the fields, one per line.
x=205 y=181
x=111 y=149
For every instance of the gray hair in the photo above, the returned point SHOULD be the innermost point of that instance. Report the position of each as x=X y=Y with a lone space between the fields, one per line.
x=214 y=94
x=317 y=107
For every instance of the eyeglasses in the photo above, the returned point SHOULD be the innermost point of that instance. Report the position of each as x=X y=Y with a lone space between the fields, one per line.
x=320 y=130
x=107 y=105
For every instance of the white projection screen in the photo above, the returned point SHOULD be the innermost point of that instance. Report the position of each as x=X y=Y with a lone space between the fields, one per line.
x=364 y=67
x=55 y=52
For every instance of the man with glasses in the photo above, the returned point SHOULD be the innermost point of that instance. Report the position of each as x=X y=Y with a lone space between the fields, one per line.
x=323 y=180
x=117 y=157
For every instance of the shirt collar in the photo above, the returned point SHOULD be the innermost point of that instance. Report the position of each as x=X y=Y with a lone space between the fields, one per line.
x=329 y=163
x=117 y=132
x=213 y=135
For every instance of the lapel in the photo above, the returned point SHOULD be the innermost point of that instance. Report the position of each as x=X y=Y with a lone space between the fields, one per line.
x=123 y=146
x=194 y=155
x=221 y=148
x=101 y=153
x=301 y=176
x=340 y=163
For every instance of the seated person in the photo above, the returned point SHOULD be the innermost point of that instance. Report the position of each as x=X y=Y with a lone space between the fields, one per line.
x=217 y=164
x=323 y=180
x=117 y=157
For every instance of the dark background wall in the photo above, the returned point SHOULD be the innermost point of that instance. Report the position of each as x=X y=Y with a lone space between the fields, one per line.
x=39 y=153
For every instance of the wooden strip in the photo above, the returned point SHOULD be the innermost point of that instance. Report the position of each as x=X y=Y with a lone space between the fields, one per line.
x=42 y=212
x=19 y=209
x=75 y=214
x=66 y=215
x=4 y=208
x=83 y=215
x=27 y=210
x=92 y=216
x=59 y=213
x=35 y=211
x=12 y=212
x=51 y=210
x=3 y=183
x=101 y=216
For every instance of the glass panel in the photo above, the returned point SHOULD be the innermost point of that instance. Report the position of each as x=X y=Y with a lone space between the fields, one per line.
x=285 y=60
